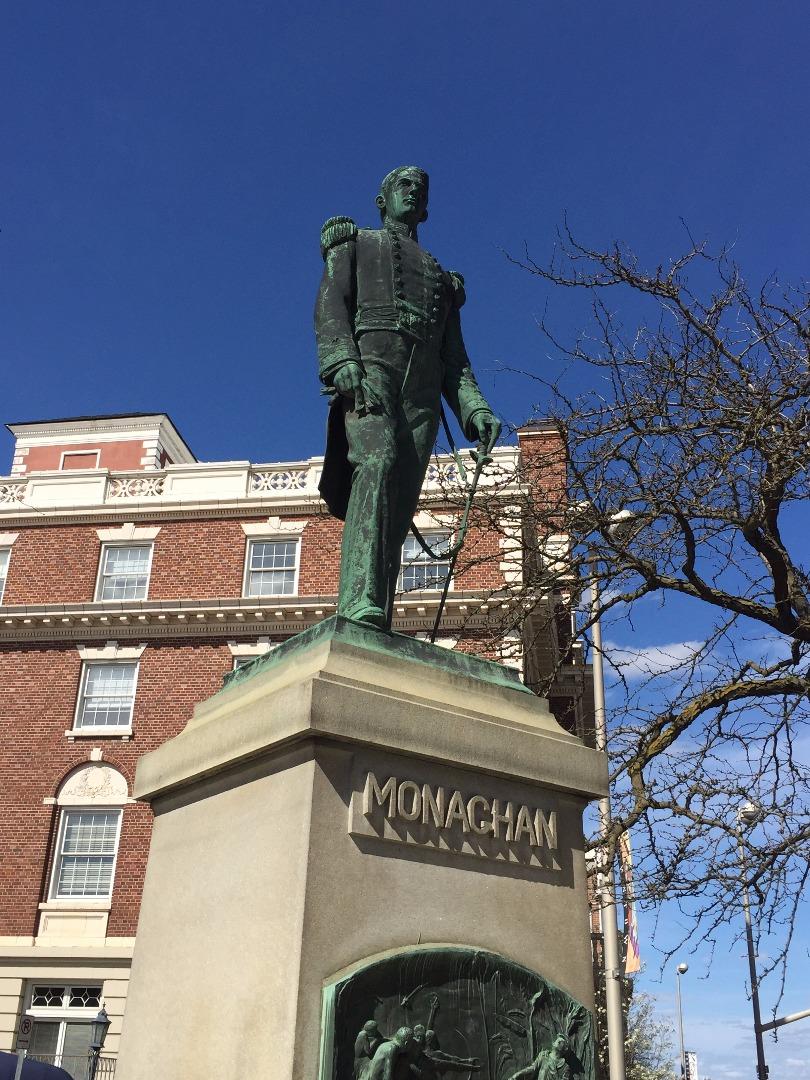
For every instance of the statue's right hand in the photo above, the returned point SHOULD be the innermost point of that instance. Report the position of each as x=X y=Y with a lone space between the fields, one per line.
x=348 y=379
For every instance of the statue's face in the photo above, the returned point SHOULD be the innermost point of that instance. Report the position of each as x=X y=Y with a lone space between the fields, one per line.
x=559 y=1044
x=405 y=198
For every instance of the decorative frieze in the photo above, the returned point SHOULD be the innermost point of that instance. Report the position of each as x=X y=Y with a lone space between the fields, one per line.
x=13 y=493
x=135 y=487
x=205 y=488
x=279 y=479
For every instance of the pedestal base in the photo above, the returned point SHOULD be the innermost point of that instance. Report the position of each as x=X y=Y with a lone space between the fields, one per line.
x=344 y=802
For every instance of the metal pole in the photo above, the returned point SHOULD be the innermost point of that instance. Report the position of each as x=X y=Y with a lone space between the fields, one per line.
x=606 y=882
x=782 y=1020
x=679 y=972
x=762 y=1068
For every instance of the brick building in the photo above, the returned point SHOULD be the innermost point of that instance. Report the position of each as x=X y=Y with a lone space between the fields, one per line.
x=132 y=578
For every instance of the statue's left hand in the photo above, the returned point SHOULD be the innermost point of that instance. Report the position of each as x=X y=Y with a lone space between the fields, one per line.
x=487 y=428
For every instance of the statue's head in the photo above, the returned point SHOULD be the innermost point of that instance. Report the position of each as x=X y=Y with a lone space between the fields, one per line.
x=403 y=1036
x=404 y=195
x=560 y=1044
x=431 y=1039
x=419 y=1034
x=370 y=1027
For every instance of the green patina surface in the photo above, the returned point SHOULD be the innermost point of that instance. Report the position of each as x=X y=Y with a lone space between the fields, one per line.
x=390 y=347
x=432 y=1012
x=387 y=643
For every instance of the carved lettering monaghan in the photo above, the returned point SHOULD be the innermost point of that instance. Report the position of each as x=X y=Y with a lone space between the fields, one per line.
x=405 y=800
x=374 y=791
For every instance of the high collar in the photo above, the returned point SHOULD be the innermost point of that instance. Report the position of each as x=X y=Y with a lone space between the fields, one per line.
x=401 y=228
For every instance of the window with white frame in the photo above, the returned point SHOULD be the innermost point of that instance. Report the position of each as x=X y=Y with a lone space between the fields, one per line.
x=106 y=695
x=5 y=554
x=62 y=1015
x=419 y=571
x=86 y=848
x=272 y=568
x=124 y=572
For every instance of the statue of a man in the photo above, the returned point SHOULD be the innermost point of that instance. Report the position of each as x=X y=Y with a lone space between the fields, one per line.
x=549 y=1064
x=389 y=339
x=365 y=1046
x=387 y=1054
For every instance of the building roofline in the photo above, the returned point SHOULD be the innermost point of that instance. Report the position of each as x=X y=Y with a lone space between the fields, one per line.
x=21 y=426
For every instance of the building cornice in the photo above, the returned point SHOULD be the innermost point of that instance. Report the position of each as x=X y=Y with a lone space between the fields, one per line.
x=147 y=620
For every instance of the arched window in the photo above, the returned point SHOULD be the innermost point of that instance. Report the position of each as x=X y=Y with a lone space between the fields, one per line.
x=89 y=828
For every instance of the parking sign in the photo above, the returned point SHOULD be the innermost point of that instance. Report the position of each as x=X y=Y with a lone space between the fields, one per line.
x=24 y=1032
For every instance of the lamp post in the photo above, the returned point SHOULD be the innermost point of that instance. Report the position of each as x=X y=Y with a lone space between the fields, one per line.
x=681 y=970
x=606 y=881
x=747 y=815
x=98 y=1033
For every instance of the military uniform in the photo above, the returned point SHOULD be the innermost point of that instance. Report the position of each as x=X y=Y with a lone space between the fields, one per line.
x=386 y=304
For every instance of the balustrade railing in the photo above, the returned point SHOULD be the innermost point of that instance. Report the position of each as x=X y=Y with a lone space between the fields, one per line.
x=79 y=1065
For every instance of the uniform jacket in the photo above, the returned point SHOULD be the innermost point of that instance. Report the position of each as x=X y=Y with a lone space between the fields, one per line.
x=375 y=279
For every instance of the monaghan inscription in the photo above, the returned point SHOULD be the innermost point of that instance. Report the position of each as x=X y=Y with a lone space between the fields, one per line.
x=466 y=822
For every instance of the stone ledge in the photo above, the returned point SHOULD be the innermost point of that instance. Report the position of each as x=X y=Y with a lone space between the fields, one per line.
x=334 y=686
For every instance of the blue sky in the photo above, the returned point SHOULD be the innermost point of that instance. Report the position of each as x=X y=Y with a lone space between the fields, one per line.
x=166 y=168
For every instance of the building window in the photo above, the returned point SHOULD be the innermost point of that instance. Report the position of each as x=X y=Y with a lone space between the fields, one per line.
x=419 y=571
x=124 y=572
x=80 y=459
x=62 y=1015
x=5 y=554
x=107 y=695
x=85 y=855
x=272 y=568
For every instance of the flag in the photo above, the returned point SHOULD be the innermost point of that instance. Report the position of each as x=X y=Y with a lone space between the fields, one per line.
x=632 y=956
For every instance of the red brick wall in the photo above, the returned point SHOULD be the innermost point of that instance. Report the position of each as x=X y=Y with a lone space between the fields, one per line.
x=192 y=560
x=126 y=454
x=200 y=560
x=38 y=688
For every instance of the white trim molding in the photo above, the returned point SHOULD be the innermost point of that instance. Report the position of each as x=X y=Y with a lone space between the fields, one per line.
x=94 y=784
x=426 y=519
x=7 y=539
x=259 y=647
x=111 y=651
x=272 y=527
x=128 y=531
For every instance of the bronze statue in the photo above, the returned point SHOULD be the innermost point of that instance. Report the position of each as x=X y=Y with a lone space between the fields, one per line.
x=365 y=1046
x=549 y=1064
x=438 y=1063
x=387 y=1054
x=389 y=340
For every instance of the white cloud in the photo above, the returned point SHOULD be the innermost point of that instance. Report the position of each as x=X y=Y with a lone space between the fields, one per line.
x=652 y=659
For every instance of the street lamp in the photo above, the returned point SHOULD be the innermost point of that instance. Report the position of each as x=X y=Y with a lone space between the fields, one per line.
x=747 y=815
x=98 y=1033
x=681 y=970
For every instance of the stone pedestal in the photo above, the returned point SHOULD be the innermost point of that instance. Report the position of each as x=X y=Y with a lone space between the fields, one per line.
x=350 y=795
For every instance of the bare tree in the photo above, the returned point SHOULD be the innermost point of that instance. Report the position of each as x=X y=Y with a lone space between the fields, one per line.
x=649 y=1051
x=688 y=454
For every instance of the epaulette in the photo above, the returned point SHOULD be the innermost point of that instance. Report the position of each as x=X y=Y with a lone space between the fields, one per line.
x=457 y=281
x=336 y=230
